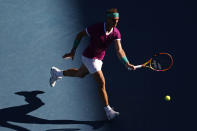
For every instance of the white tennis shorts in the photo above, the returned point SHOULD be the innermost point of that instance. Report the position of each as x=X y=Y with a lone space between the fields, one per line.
x=93 y=65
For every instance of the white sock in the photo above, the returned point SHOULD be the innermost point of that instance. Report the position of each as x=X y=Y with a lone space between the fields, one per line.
x=107 y=108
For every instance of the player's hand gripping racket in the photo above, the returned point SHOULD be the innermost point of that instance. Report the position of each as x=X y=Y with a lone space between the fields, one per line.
x=159 y=62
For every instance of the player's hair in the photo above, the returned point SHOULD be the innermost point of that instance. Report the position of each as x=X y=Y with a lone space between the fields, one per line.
x=112 y=10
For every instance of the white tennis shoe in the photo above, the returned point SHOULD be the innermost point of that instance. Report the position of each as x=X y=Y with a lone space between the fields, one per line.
x=111 y=114
x=54 y=76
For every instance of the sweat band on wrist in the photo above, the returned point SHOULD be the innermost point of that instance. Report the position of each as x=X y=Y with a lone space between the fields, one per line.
x=124 y=60
x=112 y=15
x=76 y=43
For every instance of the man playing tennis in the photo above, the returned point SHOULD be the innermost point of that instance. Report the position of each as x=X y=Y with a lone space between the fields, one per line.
x=102 y=35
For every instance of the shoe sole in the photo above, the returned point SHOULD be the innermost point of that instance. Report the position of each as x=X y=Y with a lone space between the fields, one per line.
x=115 y=117
x=52 y=74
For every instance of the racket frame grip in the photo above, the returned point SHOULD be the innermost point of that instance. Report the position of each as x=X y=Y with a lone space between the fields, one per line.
x=138 y=66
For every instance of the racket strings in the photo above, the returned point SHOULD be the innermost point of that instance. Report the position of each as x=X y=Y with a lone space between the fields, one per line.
x=156 y=65
x=161 y=62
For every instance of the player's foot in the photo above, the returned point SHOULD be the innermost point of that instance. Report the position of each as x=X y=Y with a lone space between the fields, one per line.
x=111 y=114
x=54 y=77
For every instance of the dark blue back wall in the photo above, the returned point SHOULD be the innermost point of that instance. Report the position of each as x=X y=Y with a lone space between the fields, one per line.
x=148 y=27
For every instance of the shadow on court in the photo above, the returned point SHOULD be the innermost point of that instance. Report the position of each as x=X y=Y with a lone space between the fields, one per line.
x=19 y=114
x=63 y=129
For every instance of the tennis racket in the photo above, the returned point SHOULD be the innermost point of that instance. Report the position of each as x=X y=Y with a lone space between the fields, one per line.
x=158 y=62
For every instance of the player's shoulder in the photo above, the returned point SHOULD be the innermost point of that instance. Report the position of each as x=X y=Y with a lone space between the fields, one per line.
x=98 y=27
x=99 y=24
x=117 y=33
x=116 y=30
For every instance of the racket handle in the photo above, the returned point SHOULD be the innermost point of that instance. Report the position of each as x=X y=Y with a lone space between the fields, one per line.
x=138 y=66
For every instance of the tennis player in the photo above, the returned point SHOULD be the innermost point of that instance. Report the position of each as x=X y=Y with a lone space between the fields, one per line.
x=102 y=35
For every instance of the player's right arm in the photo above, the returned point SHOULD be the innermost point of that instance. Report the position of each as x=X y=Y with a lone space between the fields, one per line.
x=78 y=38
x=122 y=56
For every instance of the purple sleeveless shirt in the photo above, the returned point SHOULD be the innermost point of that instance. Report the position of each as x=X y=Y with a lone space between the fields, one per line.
x=99 y=41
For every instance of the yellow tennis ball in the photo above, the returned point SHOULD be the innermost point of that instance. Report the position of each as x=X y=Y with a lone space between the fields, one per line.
x=167 y=98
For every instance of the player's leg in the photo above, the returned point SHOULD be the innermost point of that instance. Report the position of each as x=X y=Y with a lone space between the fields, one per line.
x=100 y=79
x=73 y=72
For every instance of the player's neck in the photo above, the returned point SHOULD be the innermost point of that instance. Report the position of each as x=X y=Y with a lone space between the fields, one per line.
x=108 y=28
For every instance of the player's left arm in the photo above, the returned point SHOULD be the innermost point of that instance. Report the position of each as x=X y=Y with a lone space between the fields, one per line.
x=121 y=55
